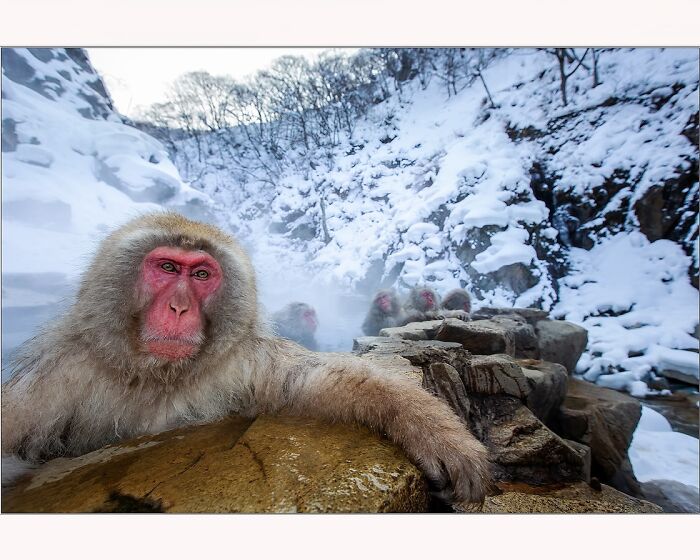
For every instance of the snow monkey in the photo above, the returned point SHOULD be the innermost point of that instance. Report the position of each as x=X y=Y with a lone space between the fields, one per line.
x=422 y=304
x=165 y=332
x=458 y=300
x=297 y=321
x=385 y=311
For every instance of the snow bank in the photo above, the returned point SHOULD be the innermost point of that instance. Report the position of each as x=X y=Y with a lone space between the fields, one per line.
x=658 y=453
x=636 y=301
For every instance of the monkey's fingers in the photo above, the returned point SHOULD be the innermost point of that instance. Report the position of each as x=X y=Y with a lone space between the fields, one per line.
x=468 y=507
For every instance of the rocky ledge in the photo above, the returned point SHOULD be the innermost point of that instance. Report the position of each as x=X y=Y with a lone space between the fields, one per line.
x=556 y=444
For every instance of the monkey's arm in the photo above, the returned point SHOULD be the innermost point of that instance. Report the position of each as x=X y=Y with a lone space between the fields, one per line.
x=450 y=314
x=33 y=418
x=351 y=390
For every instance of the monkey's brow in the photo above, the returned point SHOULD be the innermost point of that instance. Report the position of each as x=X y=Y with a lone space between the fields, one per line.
x=192 y=243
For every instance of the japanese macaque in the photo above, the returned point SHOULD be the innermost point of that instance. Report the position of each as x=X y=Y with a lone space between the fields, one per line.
x=385 y=311
x=298 y=322
x=458 y=300
x=165 y=332
x=422 y=304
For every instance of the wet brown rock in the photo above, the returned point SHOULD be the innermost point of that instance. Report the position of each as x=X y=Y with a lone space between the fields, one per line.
x=601 y=418
x=548 y=384
x=498 y=374
x=522 y=448
x=561 y=342
x=540 y=385
x=572 y=498
x=444 y=381
x=524 y=337
x=479 y=337
x=530 y=314
x=394 y=364
x=421 y=330
x=393 y=345
x=236 y=465
x=671 y=495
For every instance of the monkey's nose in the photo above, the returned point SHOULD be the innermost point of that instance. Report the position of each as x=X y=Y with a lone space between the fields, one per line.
x=179 y=308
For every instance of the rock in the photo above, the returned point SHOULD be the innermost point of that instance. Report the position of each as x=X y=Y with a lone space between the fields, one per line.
x=440 y=365
x=540 y=385
x=561 y=342
x=236 y=465
x=659 y=384
x=521 y=447
x=498 y=374
x=601 y=418
x=421 y=330
x=572 y=498
x=479 y=337
x=548 y=385
x=531 y=315
x=526 y=343
x=585 y=453
x=390 y=345
x=396 y=365
x=680 y=376
x=672 y=496
x=444 y=381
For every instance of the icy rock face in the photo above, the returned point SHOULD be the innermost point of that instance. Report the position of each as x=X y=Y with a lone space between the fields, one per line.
x=588 y=210
x=622 y=155
x=73 y=170
x=60 y=74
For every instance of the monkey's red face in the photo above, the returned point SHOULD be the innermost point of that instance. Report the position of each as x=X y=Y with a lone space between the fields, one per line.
x=428 y=299
x=384 y=303
x=309 y=319
x=177 y=285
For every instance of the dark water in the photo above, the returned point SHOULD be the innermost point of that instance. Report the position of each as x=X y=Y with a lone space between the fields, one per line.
x=680 y=409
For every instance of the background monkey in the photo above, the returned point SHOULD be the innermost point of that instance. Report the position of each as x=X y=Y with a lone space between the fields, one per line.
x=422 y=304
x=165 y=332
x=298 y=322
x=458 y=300
x=385 y=311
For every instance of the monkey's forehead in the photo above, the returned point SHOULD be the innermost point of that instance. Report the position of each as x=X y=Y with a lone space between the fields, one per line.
x=175 y=225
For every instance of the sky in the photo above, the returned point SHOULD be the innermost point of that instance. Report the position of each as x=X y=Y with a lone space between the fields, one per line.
x=138 y=77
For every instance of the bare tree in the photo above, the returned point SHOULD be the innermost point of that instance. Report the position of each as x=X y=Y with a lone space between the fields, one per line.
x=569 y=62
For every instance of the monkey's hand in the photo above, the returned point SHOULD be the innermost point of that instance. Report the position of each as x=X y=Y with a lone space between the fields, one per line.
x=350 y=390
x=448 y=314
x=454 y=461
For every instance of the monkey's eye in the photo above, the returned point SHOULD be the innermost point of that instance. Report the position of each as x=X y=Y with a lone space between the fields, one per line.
x=201 y=274
x=168 y=267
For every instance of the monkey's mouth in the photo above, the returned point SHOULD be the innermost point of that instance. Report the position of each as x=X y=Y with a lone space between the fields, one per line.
x=171 y=349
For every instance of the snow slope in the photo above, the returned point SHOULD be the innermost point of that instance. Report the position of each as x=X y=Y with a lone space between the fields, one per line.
x=531 y=203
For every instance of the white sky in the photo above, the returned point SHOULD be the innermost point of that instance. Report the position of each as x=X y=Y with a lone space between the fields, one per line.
x=137 y=77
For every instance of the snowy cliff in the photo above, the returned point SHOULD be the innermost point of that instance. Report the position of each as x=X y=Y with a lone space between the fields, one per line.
x=587 y=209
